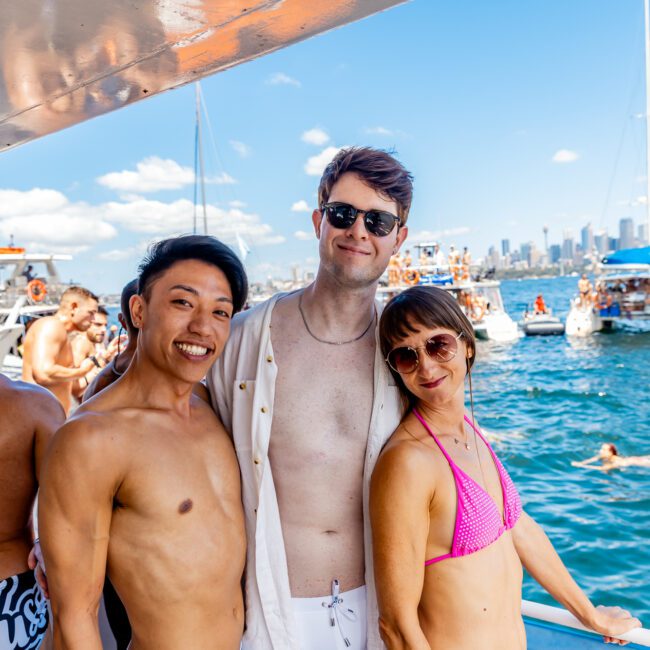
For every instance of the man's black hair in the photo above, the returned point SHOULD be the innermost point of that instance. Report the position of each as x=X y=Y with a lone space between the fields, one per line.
x=102 y=310
x=166 y=253
x=130 y=289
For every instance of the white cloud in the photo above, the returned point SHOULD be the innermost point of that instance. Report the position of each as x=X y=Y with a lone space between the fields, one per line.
x=633 y=203
x=379 y=130
x=152 y=174
x=166 y=219
x=280 y=78
x=565 y=156
x=45 y=221
x=303 y=236
x=315 y=165
x=221 y=179
x=241 y=148
x=237 y=204
x=435 y=235
x=300 y=206
x=315 y=136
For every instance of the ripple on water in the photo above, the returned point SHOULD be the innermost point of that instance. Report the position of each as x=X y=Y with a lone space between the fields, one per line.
x=547 y=401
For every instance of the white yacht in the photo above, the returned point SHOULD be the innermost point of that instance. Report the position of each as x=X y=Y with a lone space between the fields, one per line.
x=479 y=297
x=30 y=287
x=623 y=296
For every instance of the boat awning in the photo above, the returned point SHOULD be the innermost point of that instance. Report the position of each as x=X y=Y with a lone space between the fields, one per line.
x=65 y=61
x=633 y=256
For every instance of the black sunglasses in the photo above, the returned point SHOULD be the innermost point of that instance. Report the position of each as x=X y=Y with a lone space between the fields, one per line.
x=442 y=347
x=377 y=222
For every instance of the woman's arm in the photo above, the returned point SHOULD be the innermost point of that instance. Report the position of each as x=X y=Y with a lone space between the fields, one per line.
x=399 y=514
x=587 y=461
x=543 y=563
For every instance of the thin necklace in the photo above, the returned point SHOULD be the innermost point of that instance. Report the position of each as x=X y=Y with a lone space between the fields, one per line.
x=304 y=320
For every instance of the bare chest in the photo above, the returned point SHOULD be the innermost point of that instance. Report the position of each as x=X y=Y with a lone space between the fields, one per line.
x=323 y=399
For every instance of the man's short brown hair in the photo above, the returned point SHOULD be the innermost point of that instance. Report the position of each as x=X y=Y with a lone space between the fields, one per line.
x=378 y=169
x=80 y=293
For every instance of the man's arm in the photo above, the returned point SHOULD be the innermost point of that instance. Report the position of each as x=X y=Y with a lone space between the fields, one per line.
x=49 y=417
x=79 y=479
x=46 y=349
x=544 y=564
x=399 y=514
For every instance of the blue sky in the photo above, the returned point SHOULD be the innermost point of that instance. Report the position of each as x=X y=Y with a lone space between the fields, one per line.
x=510 y=114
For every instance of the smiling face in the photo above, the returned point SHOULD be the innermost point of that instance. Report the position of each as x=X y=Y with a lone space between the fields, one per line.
x=185 y=320
x=435 y=382
x=353 y=256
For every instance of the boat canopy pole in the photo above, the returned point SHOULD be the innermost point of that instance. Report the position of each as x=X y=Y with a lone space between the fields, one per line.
x=646 y=7
x=199 y=150
x=640 y=636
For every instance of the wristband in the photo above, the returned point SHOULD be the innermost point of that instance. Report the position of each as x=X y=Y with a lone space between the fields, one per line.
x=86 y=380
x=93 y=358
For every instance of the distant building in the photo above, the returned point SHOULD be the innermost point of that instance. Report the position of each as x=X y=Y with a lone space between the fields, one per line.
x=524 y=251
x=505 y=247
x=568 y=246
x=642 y=235
x=626 y=232
x=554 y=253
x=587 y=239
x=601 y=242
x=613 y=244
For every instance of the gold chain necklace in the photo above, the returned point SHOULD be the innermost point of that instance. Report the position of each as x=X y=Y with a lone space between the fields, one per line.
x=304 y=320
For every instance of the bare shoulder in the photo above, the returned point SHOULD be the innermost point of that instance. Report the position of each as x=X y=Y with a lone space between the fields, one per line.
x=30 y=400
x=50 y=325
x=404 y=457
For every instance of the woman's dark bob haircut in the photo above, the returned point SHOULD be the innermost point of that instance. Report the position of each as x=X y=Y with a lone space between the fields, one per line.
x=164 y=254
x=422 y=307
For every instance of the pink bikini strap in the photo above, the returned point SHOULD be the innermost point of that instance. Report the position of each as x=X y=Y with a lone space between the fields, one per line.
x=442 y=449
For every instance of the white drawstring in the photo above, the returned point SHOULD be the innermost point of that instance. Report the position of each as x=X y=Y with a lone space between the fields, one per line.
x=337 y=609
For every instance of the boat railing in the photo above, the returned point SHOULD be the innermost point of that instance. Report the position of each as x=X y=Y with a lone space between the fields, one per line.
x=559 y=616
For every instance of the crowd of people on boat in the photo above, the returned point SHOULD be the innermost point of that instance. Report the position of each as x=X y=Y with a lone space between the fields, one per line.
x=402 y=270
x=314 y=453
x=615 y=298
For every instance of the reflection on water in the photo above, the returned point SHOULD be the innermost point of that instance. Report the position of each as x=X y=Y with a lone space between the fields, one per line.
x=547 y=401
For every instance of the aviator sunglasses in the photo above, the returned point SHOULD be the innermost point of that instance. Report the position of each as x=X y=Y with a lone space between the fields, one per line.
x=377 y=222
x=441 y=347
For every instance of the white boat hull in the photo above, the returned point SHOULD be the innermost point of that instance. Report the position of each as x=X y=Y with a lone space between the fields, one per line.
x=582 y=322
x=497 y=327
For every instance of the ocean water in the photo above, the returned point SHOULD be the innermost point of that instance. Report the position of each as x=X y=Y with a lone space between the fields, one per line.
x=546 y=401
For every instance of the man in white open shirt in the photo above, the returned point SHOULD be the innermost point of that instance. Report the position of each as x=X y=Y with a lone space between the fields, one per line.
x=310 y=402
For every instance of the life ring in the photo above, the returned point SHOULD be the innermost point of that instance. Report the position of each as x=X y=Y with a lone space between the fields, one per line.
x=36 y=290
x=411 y=276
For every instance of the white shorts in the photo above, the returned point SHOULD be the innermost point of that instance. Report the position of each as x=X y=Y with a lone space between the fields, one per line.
x=314 y=618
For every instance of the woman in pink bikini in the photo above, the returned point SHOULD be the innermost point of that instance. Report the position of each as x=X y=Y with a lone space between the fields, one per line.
x=449 y=533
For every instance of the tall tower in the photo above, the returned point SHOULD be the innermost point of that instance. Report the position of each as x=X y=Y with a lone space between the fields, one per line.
x=545 y=239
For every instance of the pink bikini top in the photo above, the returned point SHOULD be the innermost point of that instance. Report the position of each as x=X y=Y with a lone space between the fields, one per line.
x=478 y=520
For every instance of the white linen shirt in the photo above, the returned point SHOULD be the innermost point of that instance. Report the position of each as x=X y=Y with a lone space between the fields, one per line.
x=242 y=387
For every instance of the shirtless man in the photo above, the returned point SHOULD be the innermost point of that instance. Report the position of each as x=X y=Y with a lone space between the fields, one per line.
x=29 y=416
x=47 y=354
x=585 y=288
x=305 y=391
x=156 y=501
x=610 y=459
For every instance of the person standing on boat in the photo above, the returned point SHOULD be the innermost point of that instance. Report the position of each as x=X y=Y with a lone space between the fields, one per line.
x=143 y=480
x=439 y=260
x=585 y=288
x=304 y=390
x=47 y=354
x=449 y=533
x=29 y=416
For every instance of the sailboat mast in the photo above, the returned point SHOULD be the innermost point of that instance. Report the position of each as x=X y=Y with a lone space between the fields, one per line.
x=199 y=150
x=646 y=6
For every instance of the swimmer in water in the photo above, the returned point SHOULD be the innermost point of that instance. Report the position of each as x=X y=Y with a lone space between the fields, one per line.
x=609 y=458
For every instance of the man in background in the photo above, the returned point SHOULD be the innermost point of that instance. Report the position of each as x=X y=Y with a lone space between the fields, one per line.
x=47 y=354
